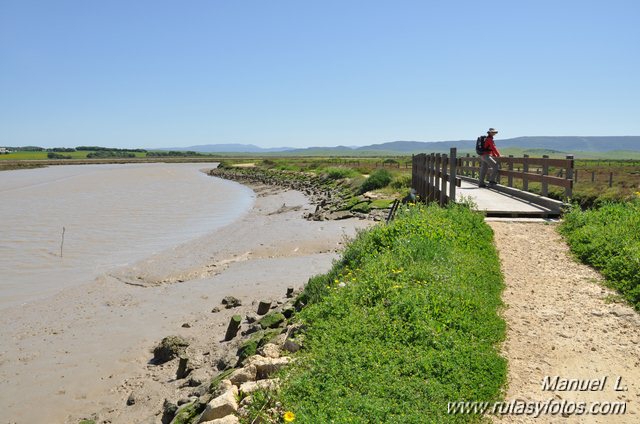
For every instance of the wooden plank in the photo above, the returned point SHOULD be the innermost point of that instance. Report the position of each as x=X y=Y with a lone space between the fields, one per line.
x=556 y=163
x=549 y=179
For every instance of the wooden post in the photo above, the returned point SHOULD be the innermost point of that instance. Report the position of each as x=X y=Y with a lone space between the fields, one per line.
x=510 y=178
x=465 y=163
x=568 y=192
x=610 y=179
x=545 y=172
x=413 y=173
x=432 y=177
x=453 y=173
x=392 y=210
x=443 y=180
x=263 y=307
x=476 y=173
x=525 y=170
x=593 y=176
x=436 y=177
x=234 y=326
x=427 y=177
x=183 y=368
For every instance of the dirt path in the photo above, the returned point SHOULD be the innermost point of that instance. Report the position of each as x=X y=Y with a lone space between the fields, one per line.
x=561 y=322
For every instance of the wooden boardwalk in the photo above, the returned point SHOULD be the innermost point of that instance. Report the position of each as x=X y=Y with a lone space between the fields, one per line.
x=507 y=202
x=445 y=178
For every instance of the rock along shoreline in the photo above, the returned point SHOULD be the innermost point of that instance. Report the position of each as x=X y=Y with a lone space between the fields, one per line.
x=333 y=199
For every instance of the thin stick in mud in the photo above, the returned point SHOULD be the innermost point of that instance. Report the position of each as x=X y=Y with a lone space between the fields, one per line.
x=62 y=242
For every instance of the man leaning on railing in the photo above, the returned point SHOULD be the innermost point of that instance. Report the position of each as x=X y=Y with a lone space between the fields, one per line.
x=488 y=156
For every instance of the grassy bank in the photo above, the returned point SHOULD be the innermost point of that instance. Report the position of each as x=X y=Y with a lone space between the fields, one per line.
x=608 y=238
x=406 y=322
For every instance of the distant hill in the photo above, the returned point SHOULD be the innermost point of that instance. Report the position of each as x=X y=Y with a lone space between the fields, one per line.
x=571 y=144
x=547 y=144
x=558 y=144
x=227 y=148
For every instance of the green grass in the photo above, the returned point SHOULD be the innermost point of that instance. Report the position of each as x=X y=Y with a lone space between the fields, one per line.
x=608 y=238
x=415 y=326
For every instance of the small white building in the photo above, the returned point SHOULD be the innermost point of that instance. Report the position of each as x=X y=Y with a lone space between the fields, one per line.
x=4 y=150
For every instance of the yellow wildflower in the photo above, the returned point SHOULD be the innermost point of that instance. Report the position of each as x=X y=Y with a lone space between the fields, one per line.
x=289 y=416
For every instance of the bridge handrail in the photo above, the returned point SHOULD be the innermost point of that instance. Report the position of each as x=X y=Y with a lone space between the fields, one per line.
x=467 y=166
x=434 y=176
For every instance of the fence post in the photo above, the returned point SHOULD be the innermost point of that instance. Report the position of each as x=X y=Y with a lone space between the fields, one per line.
x=414 y=172
x=436 y=177
x=610 y=179
x=427 y=177
x=422 y=166
x=443 y=180
x=453 y=173
x=593 y=176
x=568 y=192
x=465 y=163
x=472 y=163
x=525 y=170
x=510 y=167
x=545 y=172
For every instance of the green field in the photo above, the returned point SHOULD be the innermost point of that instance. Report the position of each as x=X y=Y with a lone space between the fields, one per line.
x=42 y=155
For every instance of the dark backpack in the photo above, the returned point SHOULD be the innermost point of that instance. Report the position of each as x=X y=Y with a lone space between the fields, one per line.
x=480 y=149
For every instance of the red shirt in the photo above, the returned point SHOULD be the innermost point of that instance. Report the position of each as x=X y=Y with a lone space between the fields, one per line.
x=491 y=146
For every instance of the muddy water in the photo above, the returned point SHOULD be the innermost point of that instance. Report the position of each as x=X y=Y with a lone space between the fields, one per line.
x=63 y=226
x=69 y=332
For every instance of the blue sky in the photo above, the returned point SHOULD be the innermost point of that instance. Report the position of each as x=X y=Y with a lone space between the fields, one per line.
x=314 y=73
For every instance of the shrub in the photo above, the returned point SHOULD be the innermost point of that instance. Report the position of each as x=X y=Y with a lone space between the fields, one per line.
x=52 y=155
x=401 y=182
x=338 y=173
x=100 y=154
x=378 y=179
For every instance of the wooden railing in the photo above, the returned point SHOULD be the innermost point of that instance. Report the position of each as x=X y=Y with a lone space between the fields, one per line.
x=544 y=170
x=432 y=173
x=433 y=176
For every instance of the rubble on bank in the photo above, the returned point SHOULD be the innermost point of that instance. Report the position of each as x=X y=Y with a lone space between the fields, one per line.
x=334 y=199
x=259 y=350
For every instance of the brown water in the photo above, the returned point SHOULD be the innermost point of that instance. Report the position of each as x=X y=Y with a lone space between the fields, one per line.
x=112 y=216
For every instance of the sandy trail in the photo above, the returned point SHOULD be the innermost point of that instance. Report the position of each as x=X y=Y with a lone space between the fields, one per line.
x=561 y=322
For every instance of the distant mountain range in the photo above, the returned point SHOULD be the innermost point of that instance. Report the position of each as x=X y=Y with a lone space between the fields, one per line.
x=227 y=148
x=564 y=144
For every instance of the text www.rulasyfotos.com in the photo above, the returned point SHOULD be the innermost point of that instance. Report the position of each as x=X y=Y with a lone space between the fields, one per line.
x=536 y=409
x=552 y=406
